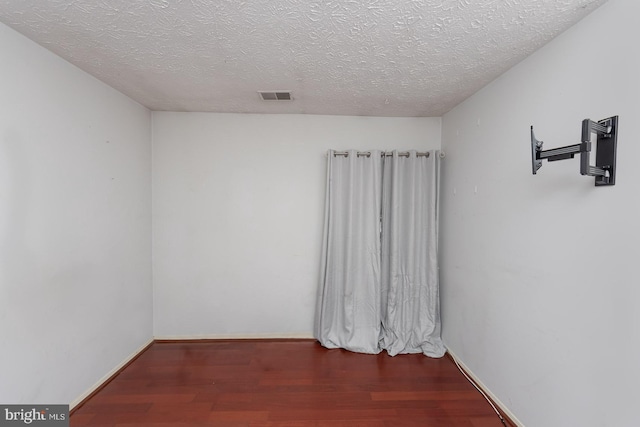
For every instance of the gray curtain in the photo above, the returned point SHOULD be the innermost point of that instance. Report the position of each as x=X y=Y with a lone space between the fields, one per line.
x=410 y=301
x=349 y=302
x=379 y=285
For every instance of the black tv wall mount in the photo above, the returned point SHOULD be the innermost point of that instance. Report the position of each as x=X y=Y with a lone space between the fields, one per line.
x=605 y=169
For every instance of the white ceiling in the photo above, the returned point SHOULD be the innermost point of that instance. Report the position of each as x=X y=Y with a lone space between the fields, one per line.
x=346 y=57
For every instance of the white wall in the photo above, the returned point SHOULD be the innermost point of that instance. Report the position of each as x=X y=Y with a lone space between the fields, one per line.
x=75 y=272
x=237 y=215
x=539 y=273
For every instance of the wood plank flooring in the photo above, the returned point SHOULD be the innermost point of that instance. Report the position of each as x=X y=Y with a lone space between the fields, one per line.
x=288 y=383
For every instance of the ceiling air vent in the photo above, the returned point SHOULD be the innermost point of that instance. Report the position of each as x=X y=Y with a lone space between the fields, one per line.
x=276 y=96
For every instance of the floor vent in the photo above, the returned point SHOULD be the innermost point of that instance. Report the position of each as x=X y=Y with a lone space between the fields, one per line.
x=276 y=96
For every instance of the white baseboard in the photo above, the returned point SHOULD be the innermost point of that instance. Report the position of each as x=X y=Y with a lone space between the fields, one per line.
x=108 y=375
x=234 y=336
x=488 y=392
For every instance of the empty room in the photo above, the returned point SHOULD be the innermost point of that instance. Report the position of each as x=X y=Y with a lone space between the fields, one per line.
x=319 y=213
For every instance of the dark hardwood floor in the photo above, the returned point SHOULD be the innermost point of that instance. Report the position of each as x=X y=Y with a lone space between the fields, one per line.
x=289 y=383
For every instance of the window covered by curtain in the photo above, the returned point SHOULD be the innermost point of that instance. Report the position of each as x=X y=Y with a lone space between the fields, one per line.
x=379 y=285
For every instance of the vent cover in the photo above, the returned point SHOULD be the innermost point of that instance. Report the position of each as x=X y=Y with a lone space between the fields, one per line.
x=276 y=96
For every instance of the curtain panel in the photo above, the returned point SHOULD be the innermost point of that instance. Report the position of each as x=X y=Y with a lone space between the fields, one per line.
x=379 y=286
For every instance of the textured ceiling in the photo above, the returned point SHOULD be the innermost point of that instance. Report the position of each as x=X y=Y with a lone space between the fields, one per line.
x=345 y=57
